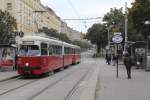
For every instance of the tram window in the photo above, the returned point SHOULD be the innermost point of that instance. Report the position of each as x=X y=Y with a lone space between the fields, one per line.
x=59 y=50
x=65 y=50
x=50 y=50
x=44 y=50
x=68 y=50
x=54 y=49
x=29 y=50
x=77 y=50
x=72 y=50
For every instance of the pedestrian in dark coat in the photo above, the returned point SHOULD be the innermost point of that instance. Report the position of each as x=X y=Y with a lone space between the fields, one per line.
x=108 y=58
x=128 y=64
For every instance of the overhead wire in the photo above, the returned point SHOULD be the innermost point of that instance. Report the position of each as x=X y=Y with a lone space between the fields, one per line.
x=92 y=18
x=84 y=21
x=76 y=12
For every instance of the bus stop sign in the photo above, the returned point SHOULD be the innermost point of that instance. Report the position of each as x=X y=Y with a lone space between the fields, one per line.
x=117 y=39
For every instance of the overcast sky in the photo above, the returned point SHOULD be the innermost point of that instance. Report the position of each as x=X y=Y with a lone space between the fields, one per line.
x=77 y=9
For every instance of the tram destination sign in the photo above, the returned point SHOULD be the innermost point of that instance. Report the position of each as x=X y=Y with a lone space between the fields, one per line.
x=28 y=42
x=117 y=38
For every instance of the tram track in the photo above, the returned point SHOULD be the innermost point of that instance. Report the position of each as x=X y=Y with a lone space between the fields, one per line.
x=50 y=82
x=4 y=82
x=75 y=87
x=16 y=80
x=8 y=86
x=51 y=85
x=11 y=78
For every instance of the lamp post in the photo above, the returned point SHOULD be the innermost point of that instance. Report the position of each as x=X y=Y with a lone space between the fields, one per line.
x=126 y=30
x=146 y=51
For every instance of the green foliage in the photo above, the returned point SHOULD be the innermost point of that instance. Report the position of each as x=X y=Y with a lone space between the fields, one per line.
x=116 y=18
x=55 y=34
x=82 y=44
x=97 y=34
x=139 y=13
x=49 y=32
x=7 y=26
x=64 y=37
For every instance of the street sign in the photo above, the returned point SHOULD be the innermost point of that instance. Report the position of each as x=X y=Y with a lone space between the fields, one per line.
x=117 y=33
x=117 y=38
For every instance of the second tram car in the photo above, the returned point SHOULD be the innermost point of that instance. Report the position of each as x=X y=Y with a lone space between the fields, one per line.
x=39 y=55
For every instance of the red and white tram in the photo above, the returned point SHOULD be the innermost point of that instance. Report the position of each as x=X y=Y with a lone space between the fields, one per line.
x=39 y=55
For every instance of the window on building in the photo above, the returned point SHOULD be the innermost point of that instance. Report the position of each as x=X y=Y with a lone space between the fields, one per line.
x=9 y=6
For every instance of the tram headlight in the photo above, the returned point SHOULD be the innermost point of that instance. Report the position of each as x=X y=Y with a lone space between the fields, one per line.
x=26 y=64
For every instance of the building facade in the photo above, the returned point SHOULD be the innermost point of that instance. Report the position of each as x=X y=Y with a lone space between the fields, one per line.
x=70 y=32
x=31 y=15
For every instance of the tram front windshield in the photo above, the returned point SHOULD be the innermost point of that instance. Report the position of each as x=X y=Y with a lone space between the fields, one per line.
x=29 y=50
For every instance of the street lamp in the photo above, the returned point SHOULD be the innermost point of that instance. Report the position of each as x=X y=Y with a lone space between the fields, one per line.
x=126 y=30
x=147 y=67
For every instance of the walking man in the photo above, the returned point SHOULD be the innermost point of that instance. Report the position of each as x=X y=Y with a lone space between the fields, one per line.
x=108 y=58
x=128 y=64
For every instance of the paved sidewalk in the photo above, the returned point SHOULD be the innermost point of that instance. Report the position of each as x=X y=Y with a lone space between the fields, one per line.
x=111 y=88
x=7 y=75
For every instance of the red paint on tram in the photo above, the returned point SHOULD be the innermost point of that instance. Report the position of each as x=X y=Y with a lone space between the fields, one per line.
x=39 y=55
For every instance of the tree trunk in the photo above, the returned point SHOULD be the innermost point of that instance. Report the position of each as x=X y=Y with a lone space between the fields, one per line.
x=98 y=48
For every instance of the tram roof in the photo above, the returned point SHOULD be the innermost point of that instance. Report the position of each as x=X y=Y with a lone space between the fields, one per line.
x=48 y=39
x=71 y=45
x=40 y=38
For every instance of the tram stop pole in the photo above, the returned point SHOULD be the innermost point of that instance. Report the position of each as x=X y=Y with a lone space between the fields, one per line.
x=117 y=62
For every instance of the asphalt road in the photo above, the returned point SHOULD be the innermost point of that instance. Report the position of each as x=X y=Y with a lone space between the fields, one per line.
x=78 y=82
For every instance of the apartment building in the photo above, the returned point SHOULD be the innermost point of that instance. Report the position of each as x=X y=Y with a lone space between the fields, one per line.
x=31 y=15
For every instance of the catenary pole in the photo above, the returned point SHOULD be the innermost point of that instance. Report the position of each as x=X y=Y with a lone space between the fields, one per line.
x=126 y=28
